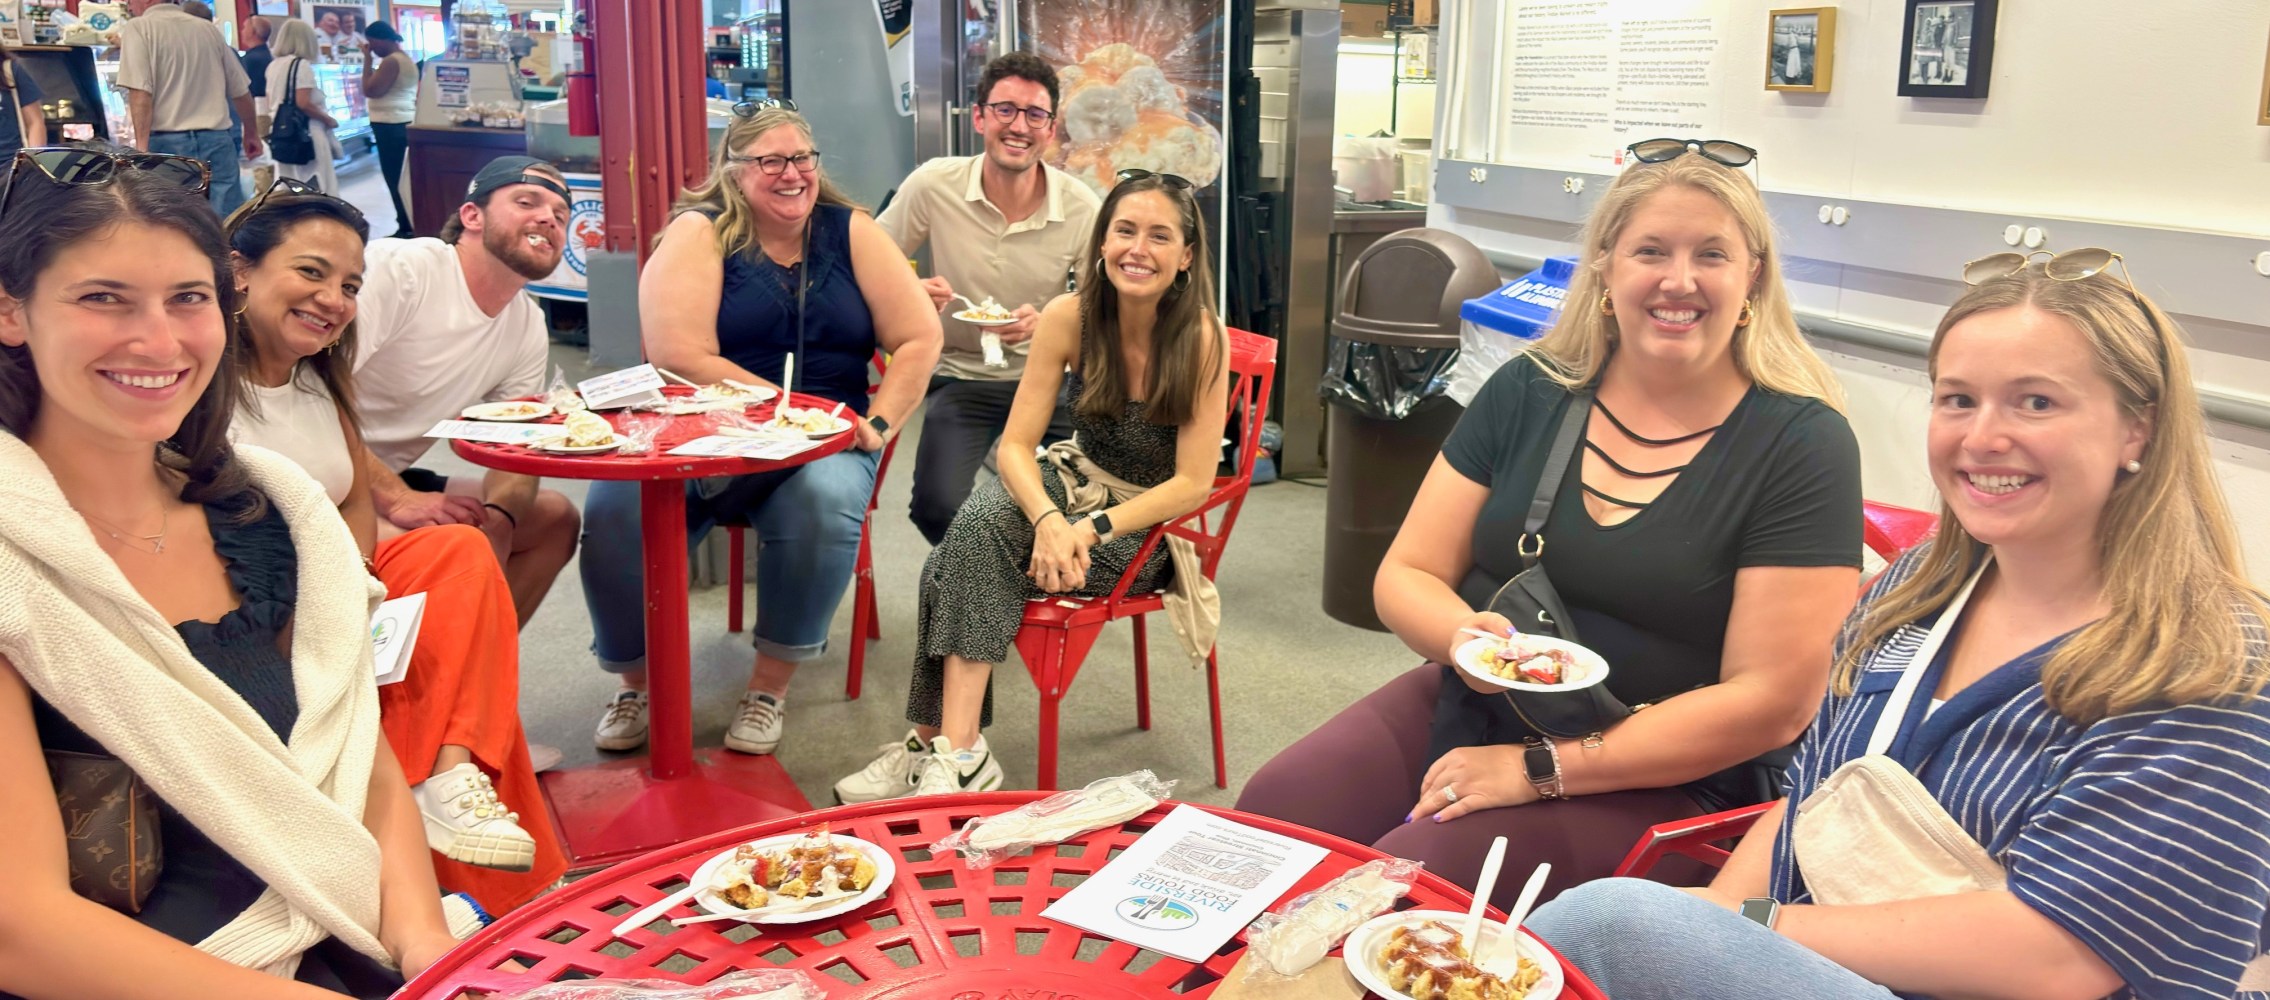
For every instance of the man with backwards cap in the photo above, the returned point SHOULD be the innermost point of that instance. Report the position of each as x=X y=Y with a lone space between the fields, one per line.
x=444 y=324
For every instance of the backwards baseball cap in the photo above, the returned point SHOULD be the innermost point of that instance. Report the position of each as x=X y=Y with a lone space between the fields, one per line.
x=382 y=32
x=505 y=171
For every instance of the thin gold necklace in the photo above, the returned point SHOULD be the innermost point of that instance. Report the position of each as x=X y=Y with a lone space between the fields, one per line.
x=157 y=542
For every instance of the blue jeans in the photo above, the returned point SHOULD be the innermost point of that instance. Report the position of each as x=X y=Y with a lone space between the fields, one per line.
x=218 y=147
x=1641 y=940
x=807 y=522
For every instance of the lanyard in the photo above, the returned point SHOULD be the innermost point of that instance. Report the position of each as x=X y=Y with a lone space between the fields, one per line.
x=1895 y=707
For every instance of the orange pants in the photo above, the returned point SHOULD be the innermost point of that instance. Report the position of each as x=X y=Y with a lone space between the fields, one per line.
x=463 y=689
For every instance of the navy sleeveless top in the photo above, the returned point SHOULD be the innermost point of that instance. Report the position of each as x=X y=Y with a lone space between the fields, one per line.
x=756 y=314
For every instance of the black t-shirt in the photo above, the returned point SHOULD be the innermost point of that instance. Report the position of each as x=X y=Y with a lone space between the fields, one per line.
x=25 y=93
x=1777 y=485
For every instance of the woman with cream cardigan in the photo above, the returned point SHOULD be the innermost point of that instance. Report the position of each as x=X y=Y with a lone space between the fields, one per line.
x=197 y=612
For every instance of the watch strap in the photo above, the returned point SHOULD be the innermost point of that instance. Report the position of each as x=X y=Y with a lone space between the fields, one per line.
x=1542 y=762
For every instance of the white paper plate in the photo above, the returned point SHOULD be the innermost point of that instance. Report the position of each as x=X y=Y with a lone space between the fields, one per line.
x=1362 y=951
x=972 y=319
x=1592 y=669
x=756 y=394
x=841 y=425
x=798 y=911
x=509 y=411
x=559 y=446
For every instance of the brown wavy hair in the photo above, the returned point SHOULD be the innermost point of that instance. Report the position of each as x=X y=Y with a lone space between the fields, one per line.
x=2174 y=575
x=1186 y=345
x=254 y=232
x=39 y=221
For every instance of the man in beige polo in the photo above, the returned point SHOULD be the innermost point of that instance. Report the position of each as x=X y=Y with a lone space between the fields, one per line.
x=1000 y=225
x=181 y=83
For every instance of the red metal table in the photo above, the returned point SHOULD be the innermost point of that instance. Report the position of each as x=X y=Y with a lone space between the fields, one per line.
x=942 y=932
x=619 y=809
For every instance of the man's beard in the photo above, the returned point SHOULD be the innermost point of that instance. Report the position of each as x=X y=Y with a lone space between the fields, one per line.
x=524 y=260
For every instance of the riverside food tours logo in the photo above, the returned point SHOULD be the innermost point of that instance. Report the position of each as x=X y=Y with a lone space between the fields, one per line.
x=1156 y=912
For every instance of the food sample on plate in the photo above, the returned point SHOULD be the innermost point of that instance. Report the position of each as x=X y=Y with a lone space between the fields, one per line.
x=1427 y=962
x=586 y=429
x=1516 y=660
x=814 y=867
x=805 y=421
x=732 y=391
x=509 y=410
x=988 y=311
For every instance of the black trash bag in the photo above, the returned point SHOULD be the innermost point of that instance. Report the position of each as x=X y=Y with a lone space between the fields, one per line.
x=1382 y=382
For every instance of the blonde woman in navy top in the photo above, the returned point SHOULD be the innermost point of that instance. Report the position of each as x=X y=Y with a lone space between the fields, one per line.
x=2086 y=661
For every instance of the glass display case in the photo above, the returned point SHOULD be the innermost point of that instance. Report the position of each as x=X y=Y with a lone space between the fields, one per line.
x=342 y=89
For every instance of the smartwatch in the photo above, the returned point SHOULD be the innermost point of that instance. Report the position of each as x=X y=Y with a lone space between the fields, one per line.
x=1102 y=524
x=881 y=425
x=1763 y=909
x=1542 y=761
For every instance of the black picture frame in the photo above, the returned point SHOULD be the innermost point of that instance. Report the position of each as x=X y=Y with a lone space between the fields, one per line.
x=1947 y=48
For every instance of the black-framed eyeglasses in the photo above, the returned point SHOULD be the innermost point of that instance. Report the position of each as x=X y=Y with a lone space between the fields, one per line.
x=803 y=162
x=1175 y=181
x=750 y=109
x=1722 y=151
x=1006 y=112
x=292 y=187
x=75 y=165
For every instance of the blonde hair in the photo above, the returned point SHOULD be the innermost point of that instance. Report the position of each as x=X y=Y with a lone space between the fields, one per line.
x=293 y=38
x=1769 y=352
x=719 y=195
x=2173 y=572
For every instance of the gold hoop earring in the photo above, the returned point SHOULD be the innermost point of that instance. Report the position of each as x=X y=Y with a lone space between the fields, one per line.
x=1607 y=306
x=1748 y=314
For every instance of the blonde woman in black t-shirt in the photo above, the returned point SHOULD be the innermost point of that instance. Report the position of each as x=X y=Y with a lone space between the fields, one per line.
x=1705 y=537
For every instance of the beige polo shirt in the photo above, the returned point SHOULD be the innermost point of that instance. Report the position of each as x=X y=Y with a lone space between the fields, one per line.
x=981 y=253
x=185 y=67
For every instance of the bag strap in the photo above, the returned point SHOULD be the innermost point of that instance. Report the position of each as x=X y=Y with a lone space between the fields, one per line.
x=1532 y=542
x=1903 y=694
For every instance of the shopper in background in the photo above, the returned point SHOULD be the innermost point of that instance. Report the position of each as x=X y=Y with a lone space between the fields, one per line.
x=181 y=82
x=1705 y=540
x=2080 y=766
x=446 y=323
x=390 y=82
x=22 y=123
x=256 y=58
x=1145 y=362
x=291 y=77
x=455 y=718
x=763 y=261
x=192 y=609
x=1000 y=225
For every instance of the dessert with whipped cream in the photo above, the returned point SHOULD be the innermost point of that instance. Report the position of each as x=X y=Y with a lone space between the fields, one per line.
x=814 y=867
x=988 y=311
x=1428 y=962
x=804 y=421
x=586 y=429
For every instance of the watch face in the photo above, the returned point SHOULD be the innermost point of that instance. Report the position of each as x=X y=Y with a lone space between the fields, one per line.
x=1539 y=762
x=1760 y=910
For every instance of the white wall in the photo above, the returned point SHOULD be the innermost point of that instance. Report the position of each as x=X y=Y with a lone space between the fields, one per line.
x=2098 y=110
x=1362 y=94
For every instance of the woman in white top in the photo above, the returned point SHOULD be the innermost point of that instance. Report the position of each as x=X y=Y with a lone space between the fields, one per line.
x=294 y=51
x=454 y=720
x=390 y=81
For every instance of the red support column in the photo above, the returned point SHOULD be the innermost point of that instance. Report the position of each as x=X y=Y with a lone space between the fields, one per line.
x=653 y=132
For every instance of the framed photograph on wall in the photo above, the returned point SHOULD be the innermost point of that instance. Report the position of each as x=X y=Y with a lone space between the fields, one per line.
x=1800 y=49
x=2262 y=107
x=1947 y=48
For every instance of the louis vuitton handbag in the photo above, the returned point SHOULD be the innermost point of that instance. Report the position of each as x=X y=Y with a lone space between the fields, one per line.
x=110 y=825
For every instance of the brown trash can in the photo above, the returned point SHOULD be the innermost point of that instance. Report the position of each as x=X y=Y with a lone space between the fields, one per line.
x=1394 y=341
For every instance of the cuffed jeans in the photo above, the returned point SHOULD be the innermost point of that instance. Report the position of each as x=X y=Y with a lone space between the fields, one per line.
x=1640 y=940
x=807 y=522
x=219 y=148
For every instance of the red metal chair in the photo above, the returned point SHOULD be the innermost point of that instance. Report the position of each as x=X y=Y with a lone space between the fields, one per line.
x=1888 y=531
x=866 y=625
x=1059 y=632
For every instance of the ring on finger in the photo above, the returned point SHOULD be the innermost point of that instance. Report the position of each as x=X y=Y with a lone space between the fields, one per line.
x=1449 y=794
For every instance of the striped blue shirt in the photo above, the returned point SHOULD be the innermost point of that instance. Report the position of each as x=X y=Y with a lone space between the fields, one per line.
x=2145 y=835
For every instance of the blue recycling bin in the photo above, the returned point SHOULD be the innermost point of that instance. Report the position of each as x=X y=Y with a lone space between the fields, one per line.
x=1526 y=306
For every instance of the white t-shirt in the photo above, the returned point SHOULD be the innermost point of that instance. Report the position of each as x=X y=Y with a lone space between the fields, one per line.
x=300 y=421
x=425 y=350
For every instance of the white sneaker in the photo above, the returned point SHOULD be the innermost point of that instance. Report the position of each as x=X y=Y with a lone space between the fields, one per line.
x=624 y=725
x=465 y=822
x=948 y=770
x=756 y=727
x=886 y=777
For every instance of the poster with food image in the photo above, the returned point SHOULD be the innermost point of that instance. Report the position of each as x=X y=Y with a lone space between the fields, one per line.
x=1141 y=86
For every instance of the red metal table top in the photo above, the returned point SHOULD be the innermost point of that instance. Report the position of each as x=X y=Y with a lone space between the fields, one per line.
x=655 y=464
x=942 y=932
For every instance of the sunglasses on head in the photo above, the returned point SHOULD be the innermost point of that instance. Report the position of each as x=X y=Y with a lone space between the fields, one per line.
x=291 y=187
x=750 y=109
x=1175 y=181
x=73 y=166
x=2071 y=265
x=1732 y=154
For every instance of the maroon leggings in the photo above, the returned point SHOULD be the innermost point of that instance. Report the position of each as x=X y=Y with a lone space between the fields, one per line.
x=1357 y=777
